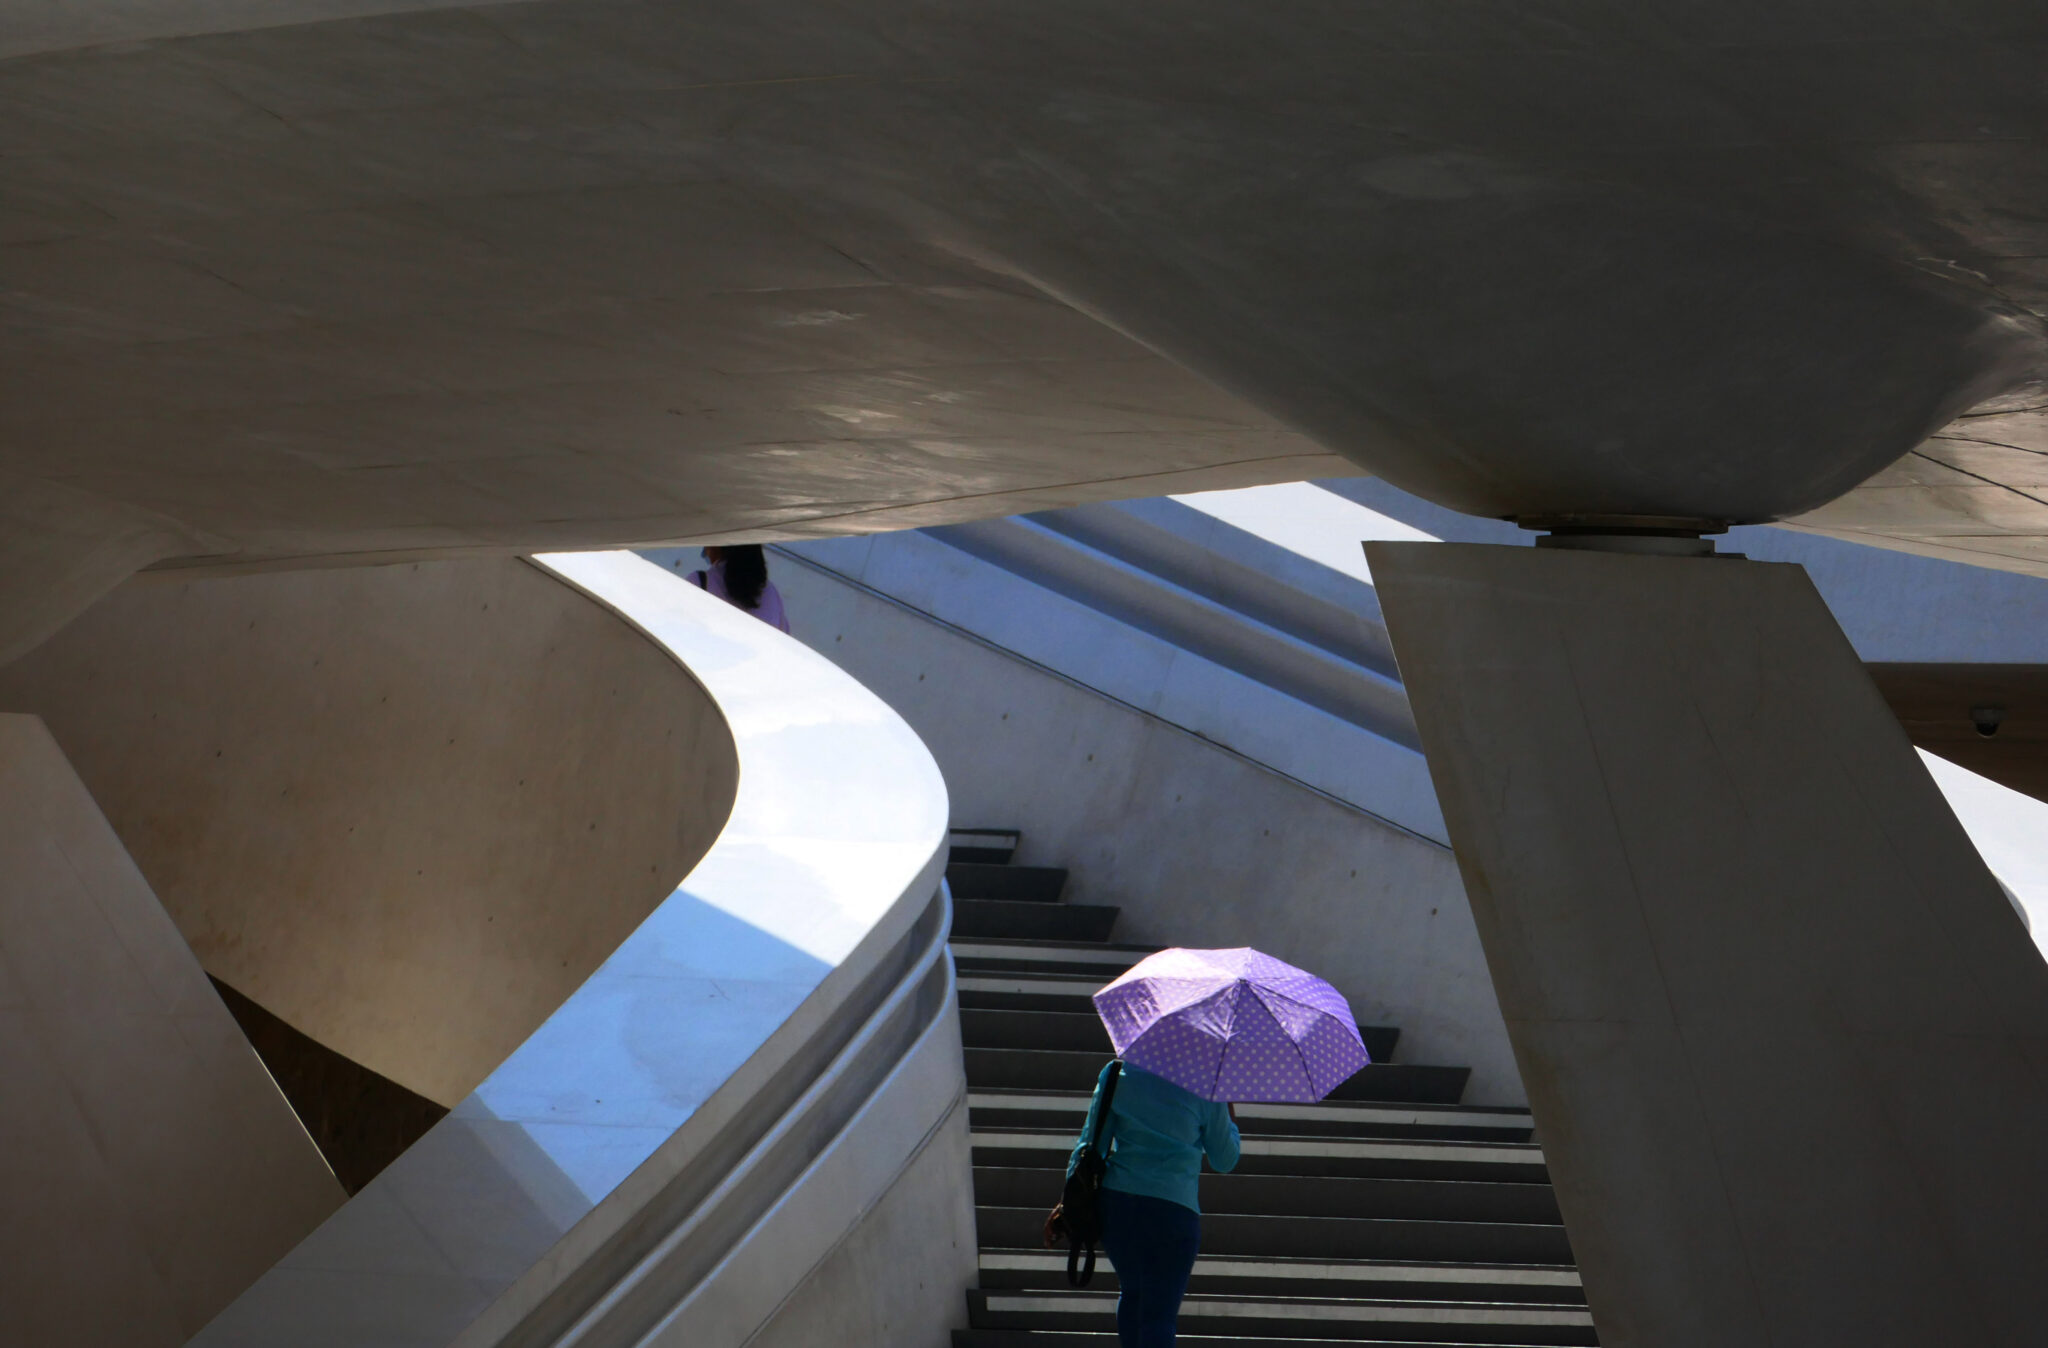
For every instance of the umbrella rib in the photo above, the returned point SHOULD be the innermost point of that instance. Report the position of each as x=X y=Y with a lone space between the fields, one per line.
x=1216 y=1083
x=1265 y=992
x=1266 y=996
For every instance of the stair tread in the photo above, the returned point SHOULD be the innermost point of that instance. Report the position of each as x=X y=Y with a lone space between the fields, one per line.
x=1092 y=1338
x=1434 y=1239
x=1056 y=1142
x=1068 y=922
x=1465 y=1199
x=1095 y=1298
x=1364 y=1270
x=1265 y=1275
x=1026 y=944
x=1026 y=884
x=1027 y=1068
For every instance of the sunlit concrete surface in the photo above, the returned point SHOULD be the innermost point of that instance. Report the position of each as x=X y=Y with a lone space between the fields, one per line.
x=2010 y=831
x=783 y=1016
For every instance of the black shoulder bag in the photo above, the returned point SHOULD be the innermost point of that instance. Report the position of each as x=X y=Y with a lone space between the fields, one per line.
x=1078 y=1218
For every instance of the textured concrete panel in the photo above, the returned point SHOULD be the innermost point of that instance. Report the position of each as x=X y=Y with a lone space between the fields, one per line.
x=151 y=1169
x=1784 y=1038
x=1197 y=845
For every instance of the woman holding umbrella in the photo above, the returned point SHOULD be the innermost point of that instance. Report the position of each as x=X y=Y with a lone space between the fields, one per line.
x=1193 y=1029
x=1157 y=1134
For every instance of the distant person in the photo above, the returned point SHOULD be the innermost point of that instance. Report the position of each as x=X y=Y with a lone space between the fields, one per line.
x=1157 y=1134
x=739 y=575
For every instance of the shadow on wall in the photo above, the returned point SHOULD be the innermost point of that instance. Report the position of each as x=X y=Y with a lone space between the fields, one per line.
x=405 y=809
x=360 y=1121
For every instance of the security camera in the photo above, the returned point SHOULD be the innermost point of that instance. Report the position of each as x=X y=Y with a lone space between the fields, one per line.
x=1986 y=719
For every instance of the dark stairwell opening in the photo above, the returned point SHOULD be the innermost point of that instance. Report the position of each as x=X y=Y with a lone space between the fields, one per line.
x=360 y=1120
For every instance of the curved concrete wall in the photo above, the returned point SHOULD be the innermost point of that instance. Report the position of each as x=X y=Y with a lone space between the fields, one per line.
x=409 y=809
x=701 y=1131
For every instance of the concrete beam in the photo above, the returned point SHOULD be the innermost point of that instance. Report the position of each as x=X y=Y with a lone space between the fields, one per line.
x=1783 y=1036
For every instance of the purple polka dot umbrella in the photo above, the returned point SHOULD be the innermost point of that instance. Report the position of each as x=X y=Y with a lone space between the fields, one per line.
x=1232 y=1025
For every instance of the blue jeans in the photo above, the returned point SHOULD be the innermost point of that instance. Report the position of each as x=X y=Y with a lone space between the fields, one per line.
x=1151 y=1243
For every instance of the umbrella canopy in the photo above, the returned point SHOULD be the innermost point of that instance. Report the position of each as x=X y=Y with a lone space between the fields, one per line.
x=1232 y=1025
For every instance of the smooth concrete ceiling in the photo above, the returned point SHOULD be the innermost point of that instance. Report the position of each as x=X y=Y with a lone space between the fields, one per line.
x=591 y=271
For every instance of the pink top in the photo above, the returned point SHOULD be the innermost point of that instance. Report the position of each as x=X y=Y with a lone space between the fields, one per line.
x=769 y=610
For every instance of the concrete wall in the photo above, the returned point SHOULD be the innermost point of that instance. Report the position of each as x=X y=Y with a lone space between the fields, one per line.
x=890 y=1281
x=1198 y=845
x=408 y=809
x=149 y=1169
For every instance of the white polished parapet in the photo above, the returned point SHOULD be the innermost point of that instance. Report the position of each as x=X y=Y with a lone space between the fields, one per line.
x=815 y=907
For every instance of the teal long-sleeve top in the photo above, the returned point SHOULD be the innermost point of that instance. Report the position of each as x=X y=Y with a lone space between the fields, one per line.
x=1157 y=1134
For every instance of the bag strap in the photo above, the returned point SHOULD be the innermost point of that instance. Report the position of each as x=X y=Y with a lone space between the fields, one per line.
x=1111 y=1074
x=1081 y=1254
x=699 y=579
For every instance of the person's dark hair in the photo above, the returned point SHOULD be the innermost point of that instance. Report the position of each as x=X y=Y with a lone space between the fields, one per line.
x=746 y=573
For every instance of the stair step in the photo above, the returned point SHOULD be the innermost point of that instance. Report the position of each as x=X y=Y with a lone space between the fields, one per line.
x=1064 y=1110
x=1071 y=1069
x=1079 y=1031
x=1106 y=1338
x=1032 y=920
x=1017 y=884
x=988 y=846
x=1082 y=1031
x=1308 y=1156
x=1015 y=1269
x=1318 y=1318
x=1093 y=959
x=1082 y=1338
x=1459 y=1200
x=1261 y=1236
x=1029 y=994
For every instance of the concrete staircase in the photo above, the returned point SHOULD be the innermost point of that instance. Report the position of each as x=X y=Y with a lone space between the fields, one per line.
x=1388 y=1214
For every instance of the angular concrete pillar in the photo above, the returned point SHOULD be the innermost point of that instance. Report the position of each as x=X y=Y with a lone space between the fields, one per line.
x=1785 y=1040
x=149 y=1168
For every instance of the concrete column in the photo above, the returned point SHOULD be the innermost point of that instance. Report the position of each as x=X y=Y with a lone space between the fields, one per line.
x=1785 y=1040
x=149 y=1168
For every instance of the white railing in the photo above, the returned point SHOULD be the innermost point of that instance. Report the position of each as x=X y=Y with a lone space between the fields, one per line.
x=699 y=1124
